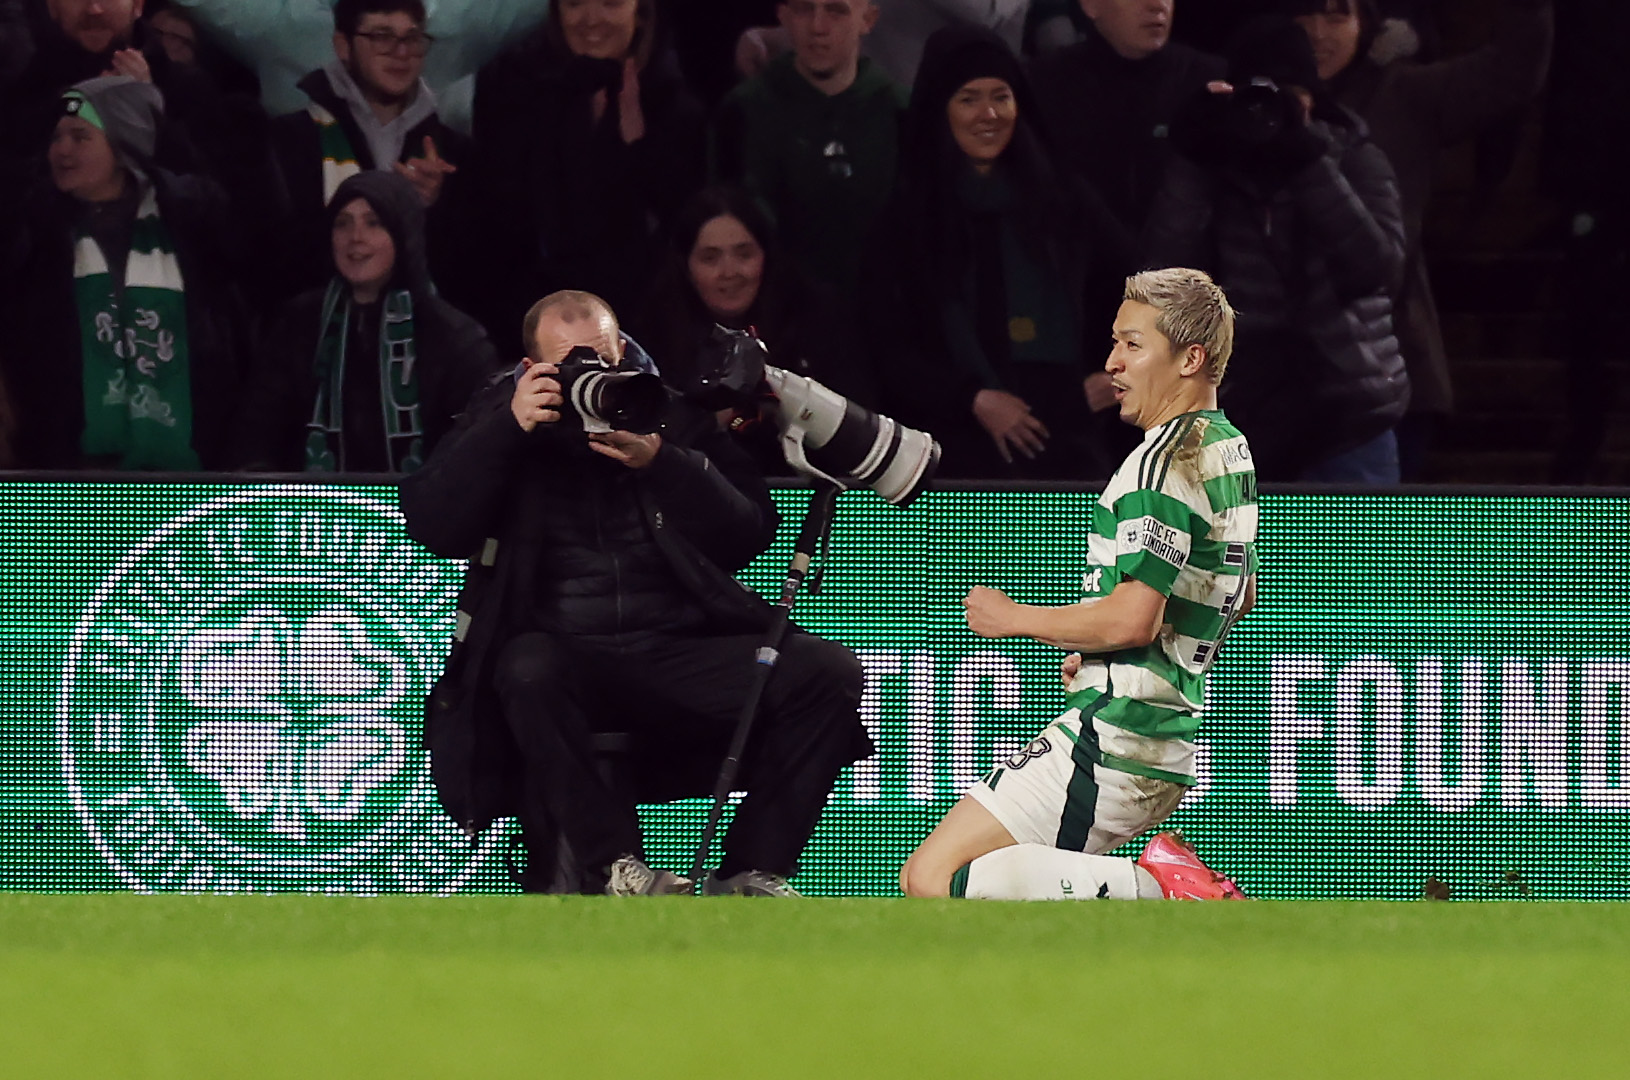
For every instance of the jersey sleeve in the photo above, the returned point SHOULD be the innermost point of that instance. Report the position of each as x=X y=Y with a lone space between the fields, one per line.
x=1154 y=534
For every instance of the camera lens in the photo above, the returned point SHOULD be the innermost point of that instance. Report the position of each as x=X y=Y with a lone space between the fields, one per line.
x=621 y=400
x=850 y=444
x=606 y=399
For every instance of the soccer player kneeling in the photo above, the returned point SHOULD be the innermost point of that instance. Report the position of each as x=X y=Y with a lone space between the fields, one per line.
x=1172 y=566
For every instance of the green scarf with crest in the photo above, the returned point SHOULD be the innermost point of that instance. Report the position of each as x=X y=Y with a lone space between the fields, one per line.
x=133 y=350
x=398 y=383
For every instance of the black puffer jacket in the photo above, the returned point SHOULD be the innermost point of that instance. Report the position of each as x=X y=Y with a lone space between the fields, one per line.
x=1414 y=111
x=526 y=509
x=44 y=364
x=1310 y=263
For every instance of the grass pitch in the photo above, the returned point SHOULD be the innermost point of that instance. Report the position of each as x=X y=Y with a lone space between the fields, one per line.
x=307 y=986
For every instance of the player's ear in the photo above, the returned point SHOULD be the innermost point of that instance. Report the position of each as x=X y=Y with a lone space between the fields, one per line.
x=1194 y=360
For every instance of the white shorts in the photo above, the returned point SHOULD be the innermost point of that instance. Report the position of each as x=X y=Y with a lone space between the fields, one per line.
x=1058 y=792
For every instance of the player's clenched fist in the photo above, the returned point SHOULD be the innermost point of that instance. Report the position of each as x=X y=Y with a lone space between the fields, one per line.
x=989 y=612
x=537 y=397
x=1070 y=668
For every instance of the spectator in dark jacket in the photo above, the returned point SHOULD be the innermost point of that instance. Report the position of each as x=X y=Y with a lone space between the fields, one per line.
x=1587 y=116
x=125 y=331
x=74 y=41
x=1282 y=197
x=370 y=109
x=724 y=268
x=592 y=143
x=990 y=275
x=1413 y=111
x=816 y=137
x=1109 y=101
x=366 y=374
x=599 y=597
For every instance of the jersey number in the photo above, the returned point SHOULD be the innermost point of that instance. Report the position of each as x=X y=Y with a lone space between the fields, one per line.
x=1206 y=654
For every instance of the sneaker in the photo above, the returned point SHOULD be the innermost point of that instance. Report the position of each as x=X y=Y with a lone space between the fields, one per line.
x=748 y=883
x=1175 y=865
x=629 y=876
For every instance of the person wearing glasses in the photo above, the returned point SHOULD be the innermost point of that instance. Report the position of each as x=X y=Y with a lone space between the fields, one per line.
x=369 y=108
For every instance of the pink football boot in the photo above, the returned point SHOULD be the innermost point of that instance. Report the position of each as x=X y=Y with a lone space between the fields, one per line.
x=1175 y=865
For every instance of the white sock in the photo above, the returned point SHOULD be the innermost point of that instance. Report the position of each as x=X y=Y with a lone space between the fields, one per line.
x=1038 y=872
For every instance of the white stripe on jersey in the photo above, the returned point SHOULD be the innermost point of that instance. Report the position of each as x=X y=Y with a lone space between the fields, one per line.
x=1170 y=755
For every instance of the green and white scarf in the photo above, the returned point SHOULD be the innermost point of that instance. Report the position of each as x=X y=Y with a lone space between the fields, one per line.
x=339 y=158
x=398 y=384
x=133 y=347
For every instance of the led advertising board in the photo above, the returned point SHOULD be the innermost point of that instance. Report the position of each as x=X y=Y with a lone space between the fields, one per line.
x=218 y=686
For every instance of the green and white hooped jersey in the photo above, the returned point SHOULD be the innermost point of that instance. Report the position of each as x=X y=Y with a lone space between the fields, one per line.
x=1180 y=516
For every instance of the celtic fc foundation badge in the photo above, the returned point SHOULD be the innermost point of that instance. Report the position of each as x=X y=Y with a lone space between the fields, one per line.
x=241 y=702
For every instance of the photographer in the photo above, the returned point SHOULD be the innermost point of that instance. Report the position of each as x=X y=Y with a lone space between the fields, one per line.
x=599 y=598
x=1279 y=192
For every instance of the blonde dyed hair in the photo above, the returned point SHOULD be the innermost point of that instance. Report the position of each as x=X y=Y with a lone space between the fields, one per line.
x=1193 y=311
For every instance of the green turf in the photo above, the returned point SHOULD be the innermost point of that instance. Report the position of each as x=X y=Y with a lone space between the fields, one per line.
x=142 y=986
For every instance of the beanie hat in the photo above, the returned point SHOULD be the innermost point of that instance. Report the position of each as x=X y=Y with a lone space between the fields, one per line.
x=957 y=55
x=953 y=57
x=124 y=109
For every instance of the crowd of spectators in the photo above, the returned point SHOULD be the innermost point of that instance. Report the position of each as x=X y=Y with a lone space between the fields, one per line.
x=299 y=234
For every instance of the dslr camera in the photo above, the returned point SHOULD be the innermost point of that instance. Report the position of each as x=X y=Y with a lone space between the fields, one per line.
x=605 y=398
x=1258 y=126
x=822 y=433
x=1260 y=111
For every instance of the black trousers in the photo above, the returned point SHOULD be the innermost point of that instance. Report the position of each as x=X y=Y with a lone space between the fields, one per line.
x=679 y=697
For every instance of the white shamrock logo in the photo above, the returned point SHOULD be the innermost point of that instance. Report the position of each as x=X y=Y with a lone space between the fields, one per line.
x=300 y=730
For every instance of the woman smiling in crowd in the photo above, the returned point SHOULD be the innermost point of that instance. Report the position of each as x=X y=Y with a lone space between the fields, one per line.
x=724 y=268
x=976 y=298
